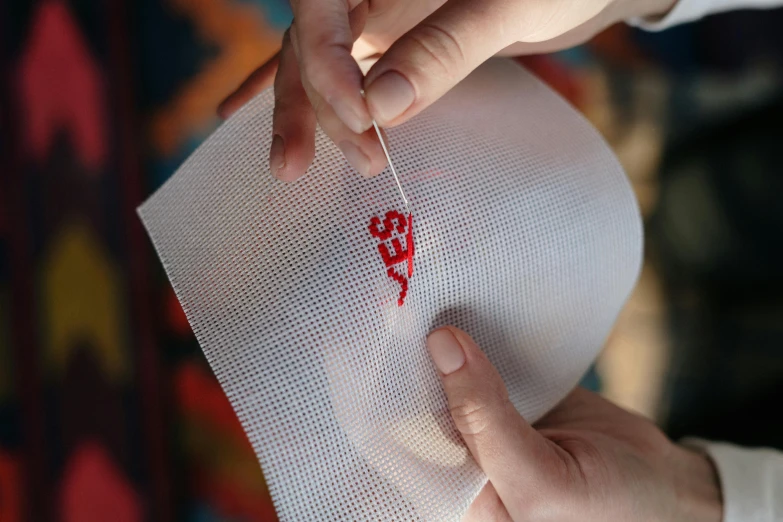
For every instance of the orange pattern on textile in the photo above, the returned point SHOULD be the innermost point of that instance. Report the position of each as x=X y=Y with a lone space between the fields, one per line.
x=245 y=41
x=558 y=76
x=615 y=44
x=10 y=490
x=93 y=489
x=61 y=88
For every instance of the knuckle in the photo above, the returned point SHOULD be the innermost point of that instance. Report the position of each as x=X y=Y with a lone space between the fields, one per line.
x=473 y=413
x=440 y=46
x=312 y=70
x=470 y=417
x=323 y=42
x=320 y=53
x=317 y=70
x=587 y=464
x=586 y=454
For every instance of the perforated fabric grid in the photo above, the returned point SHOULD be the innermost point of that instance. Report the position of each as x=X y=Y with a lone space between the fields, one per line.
x=527 y=236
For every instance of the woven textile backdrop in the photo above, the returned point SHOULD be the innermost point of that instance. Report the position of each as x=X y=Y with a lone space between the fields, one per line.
x=108 y=410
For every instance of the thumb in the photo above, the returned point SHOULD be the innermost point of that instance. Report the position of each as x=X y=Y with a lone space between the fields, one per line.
x=515 y=457
x=435 y=55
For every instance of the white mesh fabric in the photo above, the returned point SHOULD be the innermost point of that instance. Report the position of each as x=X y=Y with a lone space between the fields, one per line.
x=527 y=236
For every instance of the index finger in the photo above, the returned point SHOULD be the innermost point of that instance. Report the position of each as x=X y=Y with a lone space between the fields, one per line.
x=325 y=39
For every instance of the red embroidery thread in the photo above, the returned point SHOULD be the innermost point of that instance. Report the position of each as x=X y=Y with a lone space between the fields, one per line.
x=403 y=284
x=409 y=244
x=388 y=224
x=395 y=221
x=389 y=259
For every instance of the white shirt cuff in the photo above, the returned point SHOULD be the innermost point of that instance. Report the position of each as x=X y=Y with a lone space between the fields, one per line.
x=751 y=480
x=690 y=10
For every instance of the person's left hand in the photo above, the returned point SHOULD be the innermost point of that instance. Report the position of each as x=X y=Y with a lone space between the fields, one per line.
x=586 y=460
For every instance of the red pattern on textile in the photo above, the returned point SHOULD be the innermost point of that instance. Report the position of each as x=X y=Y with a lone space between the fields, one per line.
x=403 y=284
x=10 y=489
x=395 y=222
x=61 y=88
x=94 y=489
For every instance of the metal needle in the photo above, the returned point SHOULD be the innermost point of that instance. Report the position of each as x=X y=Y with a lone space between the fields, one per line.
x=391 y=165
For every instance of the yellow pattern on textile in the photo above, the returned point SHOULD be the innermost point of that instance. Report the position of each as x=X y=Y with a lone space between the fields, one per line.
x=245 y=41
x=81 y=302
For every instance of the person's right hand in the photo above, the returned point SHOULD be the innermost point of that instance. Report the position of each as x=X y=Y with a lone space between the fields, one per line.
x=587 y=460
x=428 y=46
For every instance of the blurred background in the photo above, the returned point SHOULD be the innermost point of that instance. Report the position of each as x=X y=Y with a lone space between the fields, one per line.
x=108 y=410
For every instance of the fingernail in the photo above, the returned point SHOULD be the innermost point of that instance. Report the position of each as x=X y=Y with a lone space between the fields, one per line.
x=445 y=350
x=276 y=155
x=350 y=116
x=389 y=96
x=355 y=157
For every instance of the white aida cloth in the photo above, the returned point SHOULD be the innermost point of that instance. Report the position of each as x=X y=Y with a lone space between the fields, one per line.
x=527 y=235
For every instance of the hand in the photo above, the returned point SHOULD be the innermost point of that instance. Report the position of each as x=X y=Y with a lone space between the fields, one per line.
x=444 y=40
x=587 y=460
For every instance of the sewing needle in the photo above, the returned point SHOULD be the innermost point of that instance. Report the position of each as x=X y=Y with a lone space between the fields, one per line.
x=391 y=165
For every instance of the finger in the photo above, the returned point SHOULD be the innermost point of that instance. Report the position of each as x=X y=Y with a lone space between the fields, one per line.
x=512 y=454
x=258 y=80
x=363 y=151
x=324 y=41
x=293 y=121
x=487 y=507
x=357 y=19
x=435 y=55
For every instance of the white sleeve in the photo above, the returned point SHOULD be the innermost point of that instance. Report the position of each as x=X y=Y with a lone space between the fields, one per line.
x=690 y=10
x=751 y=480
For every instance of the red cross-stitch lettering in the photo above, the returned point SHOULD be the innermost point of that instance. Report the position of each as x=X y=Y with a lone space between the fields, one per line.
x=395 y=222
